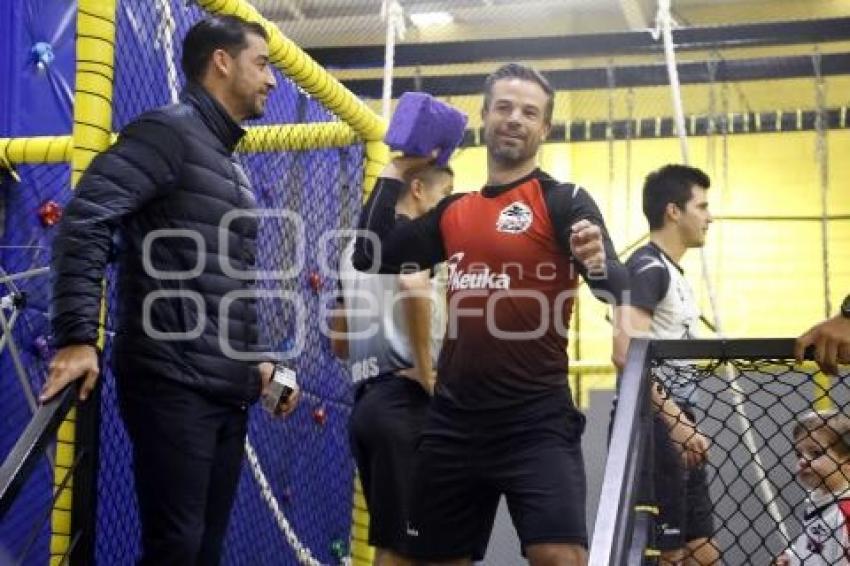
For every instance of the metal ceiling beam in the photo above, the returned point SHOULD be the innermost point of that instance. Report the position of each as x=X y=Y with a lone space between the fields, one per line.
x=632 y=76
x=697 y=125
x=599 y=44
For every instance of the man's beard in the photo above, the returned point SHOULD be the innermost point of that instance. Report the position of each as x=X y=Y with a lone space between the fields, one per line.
x=256 y=111
x=509 y=154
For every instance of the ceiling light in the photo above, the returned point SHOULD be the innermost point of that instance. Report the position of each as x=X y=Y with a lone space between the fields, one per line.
x=431 y=19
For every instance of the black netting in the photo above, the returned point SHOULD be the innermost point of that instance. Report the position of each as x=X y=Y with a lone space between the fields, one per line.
x=305 y=458
x=747 y=410
x=148 y=74
x=147 y=55
x=117 y=532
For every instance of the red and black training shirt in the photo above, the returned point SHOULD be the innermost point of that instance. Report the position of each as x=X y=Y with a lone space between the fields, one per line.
x=511 y=280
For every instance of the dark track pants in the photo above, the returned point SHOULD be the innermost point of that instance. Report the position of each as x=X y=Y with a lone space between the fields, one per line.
x=187 y=455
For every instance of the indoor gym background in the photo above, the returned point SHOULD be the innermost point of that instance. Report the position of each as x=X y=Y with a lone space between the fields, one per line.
x=766 y=108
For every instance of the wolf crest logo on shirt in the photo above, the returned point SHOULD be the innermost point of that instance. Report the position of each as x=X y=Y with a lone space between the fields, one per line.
x=515 y=218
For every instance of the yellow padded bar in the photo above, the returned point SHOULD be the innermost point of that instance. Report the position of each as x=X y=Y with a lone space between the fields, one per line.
x=306 y=73
x=289 y=137
x=297 y=137
x=44 y=149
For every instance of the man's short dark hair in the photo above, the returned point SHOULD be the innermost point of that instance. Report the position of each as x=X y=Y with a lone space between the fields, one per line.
x=525 y=73
x=671 y=183
x=217 y=32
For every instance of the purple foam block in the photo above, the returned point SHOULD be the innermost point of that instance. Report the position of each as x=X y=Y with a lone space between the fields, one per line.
x=421 y=124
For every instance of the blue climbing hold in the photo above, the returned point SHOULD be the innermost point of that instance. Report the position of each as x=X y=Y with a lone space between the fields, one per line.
x=42 y=54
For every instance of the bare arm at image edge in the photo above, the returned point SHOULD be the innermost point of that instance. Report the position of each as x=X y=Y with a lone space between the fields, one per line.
x=417 y=304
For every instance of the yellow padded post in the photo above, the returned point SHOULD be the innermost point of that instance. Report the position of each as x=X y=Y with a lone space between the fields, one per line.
x=377 y=155
x=297 y=137
x=361 y=553
x=92 y=134
x=94 y=80
x=42 y=149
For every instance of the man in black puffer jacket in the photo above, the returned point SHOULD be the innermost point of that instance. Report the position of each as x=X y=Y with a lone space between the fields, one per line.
x=186 y=349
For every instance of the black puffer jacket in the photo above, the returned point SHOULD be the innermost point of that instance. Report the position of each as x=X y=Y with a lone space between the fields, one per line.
x=167 y=189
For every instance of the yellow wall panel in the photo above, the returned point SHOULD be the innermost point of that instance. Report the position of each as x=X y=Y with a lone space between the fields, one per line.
x=470 y=167
x=764 y=11
x=839 y=170
x=839 y=261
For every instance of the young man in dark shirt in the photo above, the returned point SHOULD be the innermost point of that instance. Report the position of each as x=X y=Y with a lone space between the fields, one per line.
x=676 y=207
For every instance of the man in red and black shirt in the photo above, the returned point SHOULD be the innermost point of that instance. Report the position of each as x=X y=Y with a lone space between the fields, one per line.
x=502 y=420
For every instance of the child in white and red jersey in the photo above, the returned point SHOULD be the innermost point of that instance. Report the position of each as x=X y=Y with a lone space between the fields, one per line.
x=822 y=446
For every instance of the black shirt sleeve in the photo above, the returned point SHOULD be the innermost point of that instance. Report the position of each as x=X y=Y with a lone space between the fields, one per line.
x=145 y=161
x=649 y=278
x=569 y=204
x=386 y=246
